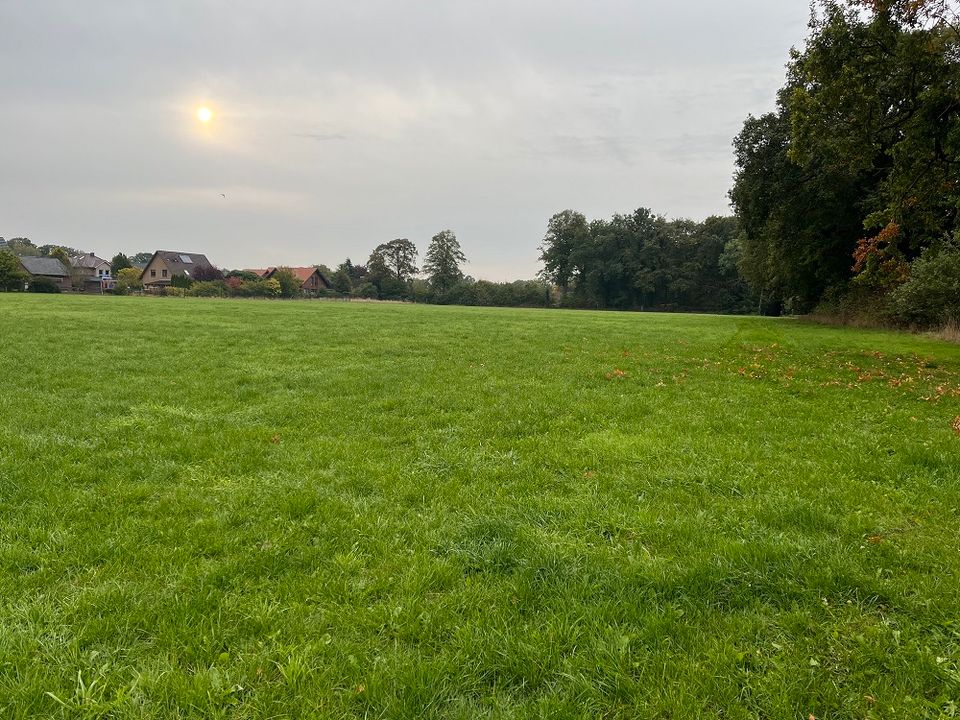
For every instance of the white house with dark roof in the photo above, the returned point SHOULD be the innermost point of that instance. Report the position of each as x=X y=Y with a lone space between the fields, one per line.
x=89 y=265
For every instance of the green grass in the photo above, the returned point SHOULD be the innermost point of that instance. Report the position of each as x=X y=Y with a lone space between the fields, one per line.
x=266 y=510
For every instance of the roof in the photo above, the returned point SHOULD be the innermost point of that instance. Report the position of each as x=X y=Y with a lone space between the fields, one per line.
x=44 y=266
x=180 y=262
x=303 y=273
x=88 y=260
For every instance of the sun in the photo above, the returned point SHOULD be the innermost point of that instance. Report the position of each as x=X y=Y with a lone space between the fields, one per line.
x=204 y=114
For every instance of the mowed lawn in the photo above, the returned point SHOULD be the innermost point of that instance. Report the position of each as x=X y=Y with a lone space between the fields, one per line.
x=254 y=509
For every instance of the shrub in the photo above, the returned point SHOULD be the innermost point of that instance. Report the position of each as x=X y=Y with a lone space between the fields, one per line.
x=249 y=288
x=273 y=287
x=127 y=279
x=931 y=296
x=44 y=285
x=366 y=290
x=208 y=288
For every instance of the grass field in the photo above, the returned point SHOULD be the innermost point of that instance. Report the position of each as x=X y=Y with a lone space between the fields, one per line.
x=313 y=509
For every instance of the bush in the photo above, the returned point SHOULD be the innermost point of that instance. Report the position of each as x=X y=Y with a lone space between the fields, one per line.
x=520 y=293
x=127 y=279
x=44 y=285
x=366 y=290
x=208 y=288
x=931 y=296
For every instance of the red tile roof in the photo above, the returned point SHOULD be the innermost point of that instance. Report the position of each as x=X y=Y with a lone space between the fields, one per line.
x=303 y=273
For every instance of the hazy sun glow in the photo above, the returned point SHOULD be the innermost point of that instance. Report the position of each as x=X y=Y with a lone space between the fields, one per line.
x=204 y=114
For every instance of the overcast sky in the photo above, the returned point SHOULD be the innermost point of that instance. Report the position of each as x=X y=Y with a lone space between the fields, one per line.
x=340 y=125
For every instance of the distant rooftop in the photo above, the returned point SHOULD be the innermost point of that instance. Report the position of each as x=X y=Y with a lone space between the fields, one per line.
x=44 y=266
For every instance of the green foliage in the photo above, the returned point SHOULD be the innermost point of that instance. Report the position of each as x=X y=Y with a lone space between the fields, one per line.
x=43 y=285
x=60 y=254
x=357 y=273
x=442 y=262
x=390 y=287
x=799 y=225
x=421 y=291
x=397 y=258
x=209 y=288
x=354 y=510
x=12 y=276
x=23 y=247
x=567 y=234
x=242 y=275
x=931 y=297
x=141 y=258
x=856 y=172
x=880 y=93
x=643 y=261
x=366 y=290
x=128 y=278
x=273 y=288
x=341 y=281
x=288 y=283
x=251 y=287
x=520 y=293
x=118 y=263
x=181 y=281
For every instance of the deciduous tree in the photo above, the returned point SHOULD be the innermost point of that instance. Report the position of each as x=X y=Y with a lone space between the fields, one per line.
x=12 y=276
x=442 y=261
x=118 y=263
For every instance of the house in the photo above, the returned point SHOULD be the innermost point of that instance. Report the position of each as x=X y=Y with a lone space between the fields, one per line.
x=92 y=272
x=47 y=267
x=168 y=264
x=90 y=266
x=312 y=281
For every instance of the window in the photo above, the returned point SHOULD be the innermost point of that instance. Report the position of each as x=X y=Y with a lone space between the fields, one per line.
x=153 y=273
x=163 y=272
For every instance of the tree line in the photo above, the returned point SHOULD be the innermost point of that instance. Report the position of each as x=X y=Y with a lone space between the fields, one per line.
x=847 y=194
x=391 y=273
x=643 y=261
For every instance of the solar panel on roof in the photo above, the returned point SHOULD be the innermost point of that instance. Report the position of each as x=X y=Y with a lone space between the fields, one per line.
x=186 y=259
